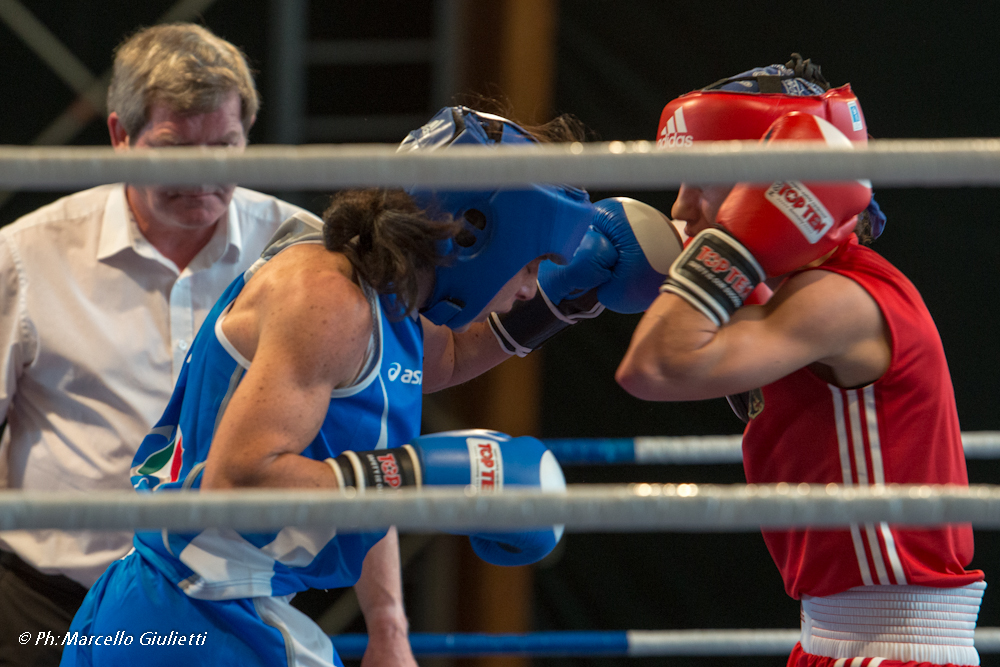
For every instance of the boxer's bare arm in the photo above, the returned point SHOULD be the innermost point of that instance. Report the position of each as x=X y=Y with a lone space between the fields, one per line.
x=452 y=358
x=305 y=326
x=816 y=317
x=380 y=596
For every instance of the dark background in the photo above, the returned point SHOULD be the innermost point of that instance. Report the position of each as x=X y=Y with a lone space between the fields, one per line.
x=921 y=70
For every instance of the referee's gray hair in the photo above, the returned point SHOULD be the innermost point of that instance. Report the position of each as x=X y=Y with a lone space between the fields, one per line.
x=183 y=65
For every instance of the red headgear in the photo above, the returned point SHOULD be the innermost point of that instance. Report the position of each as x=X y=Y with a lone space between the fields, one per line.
x=713 y=115
x=744 y=106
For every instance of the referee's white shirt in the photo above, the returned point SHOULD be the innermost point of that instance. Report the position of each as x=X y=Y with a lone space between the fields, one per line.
x=94 y=327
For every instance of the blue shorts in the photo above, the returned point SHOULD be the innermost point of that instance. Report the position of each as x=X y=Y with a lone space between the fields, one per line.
x=133 y=615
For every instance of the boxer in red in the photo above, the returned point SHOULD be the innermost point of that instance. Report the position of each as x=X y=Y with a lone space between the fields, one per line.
x=841 y=375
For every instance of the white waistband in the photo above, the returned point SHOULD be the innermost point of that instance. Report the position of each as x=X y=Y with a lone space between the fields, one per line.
x=918 y=623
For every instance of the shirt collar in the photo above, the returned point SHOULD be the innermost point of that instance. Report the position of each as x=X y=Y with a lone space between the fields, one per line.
x=120 y=232
x=115 y=236
x=234 y=235
x=227 y=240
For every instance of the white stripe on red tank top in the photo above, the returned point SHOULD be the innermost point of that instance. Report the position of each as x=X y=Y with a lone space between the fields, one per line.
x=856 y=419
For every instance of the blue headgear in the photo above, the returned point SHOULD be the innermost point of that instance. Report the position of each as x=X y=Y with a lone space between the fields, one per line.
x=504 y=229
x=797 y=77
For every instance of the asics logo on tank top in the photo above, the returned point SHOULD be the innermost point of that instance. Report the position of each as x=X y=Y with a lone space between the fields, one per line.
x=801 y=207
x=674 y=133
x=405 y=375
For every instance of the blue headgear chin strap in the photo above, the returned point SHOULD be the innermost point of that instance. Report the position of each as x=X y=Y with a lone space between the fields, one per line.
x=504 y=229
x=796 y=77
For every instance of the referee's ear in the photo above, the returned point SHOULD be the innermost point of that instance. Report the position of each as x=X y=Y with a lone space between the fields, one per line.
x=119 y=137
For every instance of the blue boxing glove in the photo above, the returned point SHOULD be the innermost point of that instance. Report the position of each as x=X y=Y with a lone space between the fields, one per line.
x=492 y=461
x=592 y=264
x=647 y=242
x=486 y=460
x=620 y=264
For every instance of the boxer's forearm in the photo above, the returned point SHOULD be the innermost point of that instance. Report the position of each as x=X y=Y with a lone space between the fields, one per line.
x=666 y=349
x=380 y=596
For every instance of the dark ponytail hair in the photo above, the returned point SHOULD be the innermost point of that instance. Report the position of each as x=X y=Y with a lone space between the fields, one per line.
x=388 y=240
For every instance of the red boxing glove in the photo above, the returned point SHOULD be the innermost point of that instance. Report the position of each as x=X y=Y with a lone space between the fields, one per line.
x=788 y=224
x=768 y=230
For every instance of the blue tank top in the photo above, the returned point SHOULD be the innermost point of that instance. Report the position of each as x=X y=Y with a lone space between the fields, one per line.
x=381 y=408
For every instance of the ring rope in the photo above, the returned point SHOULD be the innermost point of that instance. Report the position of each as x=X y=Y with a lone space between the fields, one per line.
x=628 y=643
x=633 y=165
x=703 y=449
x=635 y=507
x=583 y=507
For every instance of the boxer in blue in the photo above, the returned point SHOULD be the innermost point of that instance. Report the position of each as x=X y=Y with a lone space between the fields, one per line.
x=309 y=372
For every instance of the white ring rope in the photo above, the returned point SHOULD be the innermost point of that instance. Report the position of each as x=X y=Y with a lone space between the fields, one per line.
x=633 y=165
x=586 y=507
x=648 y=643
x=688 y=449
x=635 y=507
x=704 y=449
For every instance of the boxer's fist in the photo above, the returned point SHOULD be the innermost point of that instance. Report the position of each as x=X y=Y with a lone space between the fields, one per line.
x=626 y=255
x=590 y=266
x=647 y=243
x=788 y=224
x=491 y=462
x=486 y=460
x=768 y=230
x=620 y=263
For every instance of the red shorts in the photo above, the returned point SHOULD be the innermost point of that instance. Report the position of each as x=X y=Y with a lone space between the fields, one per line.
x=800 y=658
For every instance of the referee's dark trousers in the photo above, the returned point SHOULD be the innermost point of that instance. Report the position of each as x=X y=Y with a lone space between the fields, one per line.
x=35 y=612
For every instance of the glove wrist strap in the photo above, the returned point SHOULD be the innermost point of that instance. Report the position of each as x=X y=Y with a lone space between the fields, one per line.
x=715 y=274
x=378 y=469
x=528 y=324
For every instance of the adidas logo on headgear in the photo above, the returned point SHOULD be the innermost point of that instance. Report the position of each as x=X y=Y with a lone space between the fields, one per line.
x=674 y=133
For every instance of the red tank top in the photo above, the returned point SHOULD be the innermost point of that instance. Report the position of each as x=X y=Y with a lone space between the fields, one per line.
x=901 y=429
